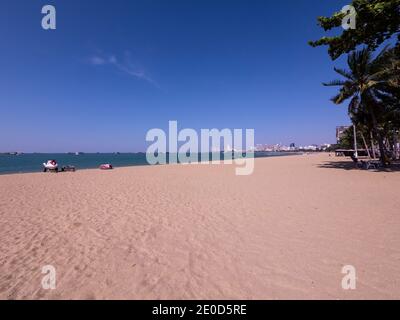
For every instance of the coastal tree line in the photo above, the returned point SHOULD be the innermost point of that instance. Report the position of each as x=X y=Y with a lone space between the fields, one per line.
x=370 y=85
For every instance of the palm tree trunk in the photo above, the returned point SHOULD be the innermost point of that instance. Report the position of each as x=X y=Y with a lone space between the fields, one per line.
x=379 y=137
x=395 y=151
x=372 y=145
x=365 y=145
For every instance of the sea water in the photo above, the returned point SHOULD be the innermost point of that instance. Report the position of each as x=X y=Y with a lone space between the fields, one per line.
x=33 y=162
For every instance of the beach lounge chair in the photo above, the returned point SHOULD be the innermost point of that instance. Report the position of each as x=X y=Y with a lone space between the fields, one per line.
x=372 y=164
x=366 y=164
x=68 y=169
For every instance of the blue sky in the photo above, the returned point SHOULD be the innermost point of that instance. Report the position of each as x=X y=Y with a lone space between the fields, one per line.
x=112 y=70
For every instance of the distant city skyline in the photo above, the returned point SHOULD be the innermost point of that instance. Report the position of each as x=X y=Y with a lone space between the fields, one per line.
x=111 y=71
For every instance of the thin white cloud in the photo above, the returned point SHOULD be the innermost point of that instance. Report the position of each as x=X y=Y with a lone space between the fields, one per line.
x=125 y=66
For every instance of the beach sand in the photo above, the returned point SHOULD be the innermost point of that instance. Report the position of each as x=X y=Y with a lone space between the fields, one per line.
x=201 y=232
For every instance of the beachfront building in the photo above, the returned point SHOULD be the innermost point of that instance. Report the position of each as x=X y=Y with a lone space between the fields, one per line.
x=312 y=147
x=340 y=131
x=324 y=146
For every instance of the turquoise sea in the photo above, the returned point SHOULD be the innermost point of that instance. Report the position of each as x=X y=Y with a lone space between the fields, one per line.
x=32 y=162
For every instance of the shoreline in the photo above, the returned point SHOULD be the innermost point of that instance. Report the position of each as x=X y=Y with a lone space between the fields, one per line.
x=141 y=164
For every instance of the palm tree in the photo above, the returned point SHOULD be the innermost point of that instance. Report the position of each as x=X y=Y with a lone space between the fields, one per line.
x=366 y=84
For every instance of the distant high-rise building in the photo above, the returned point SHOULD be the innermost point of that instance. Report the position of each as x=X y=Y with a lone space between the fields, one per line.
x=339 y=132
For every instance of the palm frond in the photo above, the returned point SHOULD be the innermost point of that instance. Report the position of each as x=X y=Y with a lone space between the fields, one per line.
x=334 y=83
x=343 y=95
x=344 y=73
x=354 y=105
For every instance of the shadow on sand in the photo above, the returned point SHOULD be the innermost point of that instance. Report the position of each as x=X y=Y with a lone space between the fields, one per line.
x=349 y=165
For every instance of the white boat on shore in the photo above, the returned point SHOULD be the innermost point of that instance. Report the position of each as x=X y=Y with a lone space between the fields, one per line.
x=50 y=165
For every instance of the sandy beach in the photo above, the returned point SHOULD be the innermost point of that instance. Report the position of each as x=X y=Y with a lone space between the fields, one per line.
x=201 y=232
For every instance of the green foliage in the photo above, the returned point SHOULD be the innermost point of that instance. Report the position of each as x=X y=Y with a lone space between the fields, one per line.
x=347 y=139
x=377 y=21
x=371 y=86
